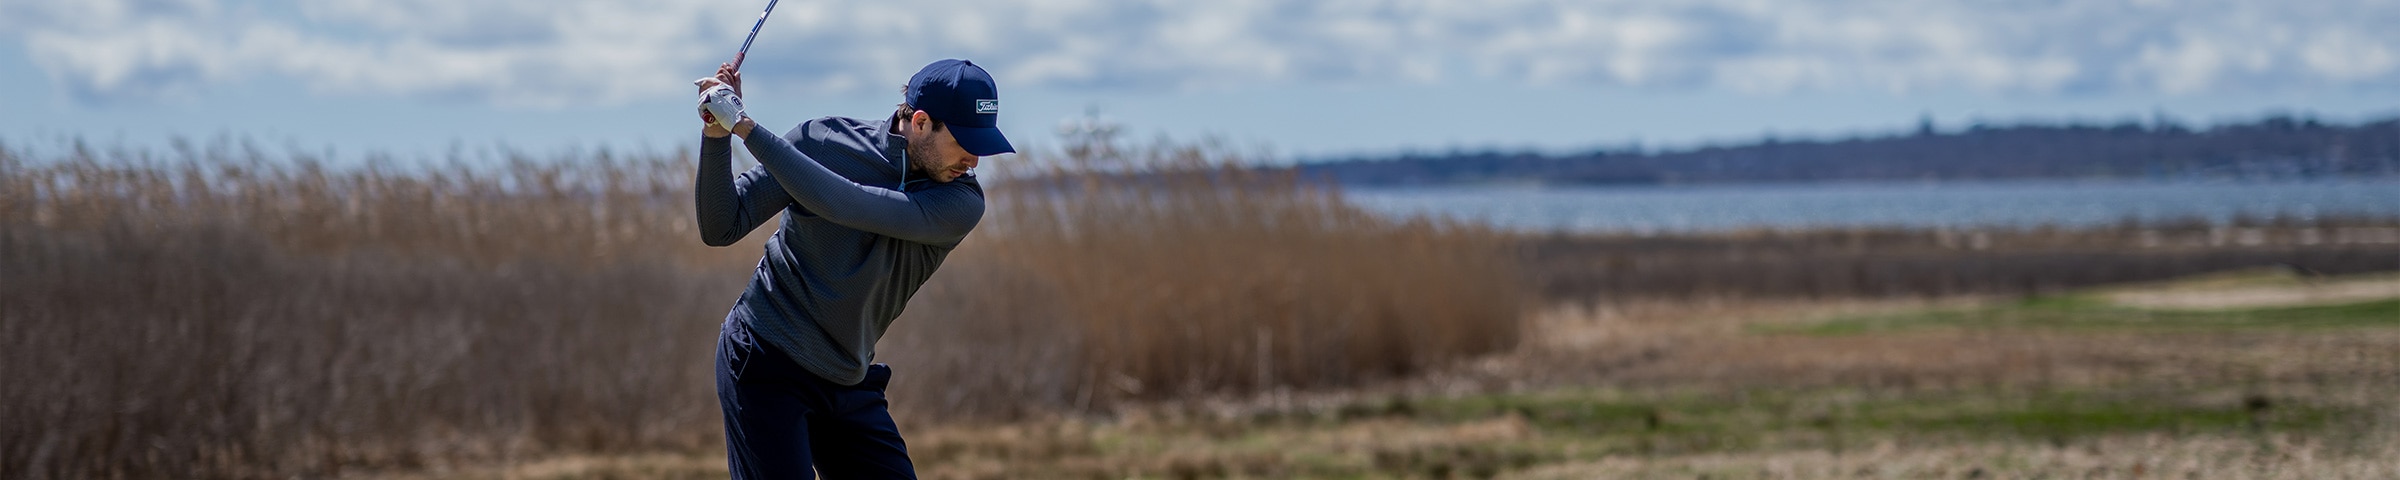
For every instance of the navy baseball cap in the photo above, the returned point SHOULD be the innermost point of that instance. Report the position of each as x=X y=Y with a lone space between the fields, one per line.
x=961 y=95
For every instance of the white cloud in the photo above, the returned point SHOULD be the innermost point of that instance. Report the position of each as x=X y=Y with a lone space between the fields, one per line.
x=533 y=53
x=523 y=53
x=2346 y=55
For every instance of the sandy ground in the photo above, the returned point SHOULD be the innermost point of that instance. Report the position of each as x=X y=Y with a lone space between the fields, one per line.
x=2298 y=292
x=2257 y=289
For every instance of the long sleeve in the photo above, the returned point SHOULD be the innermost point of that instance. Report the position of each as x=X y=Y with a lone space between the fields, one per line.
x=728 y=207
x=936 y=216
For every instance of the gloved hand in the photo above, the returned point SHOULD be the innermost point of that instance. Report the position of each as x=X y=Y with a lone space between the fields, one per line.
x=721 y=97
x=720 y=106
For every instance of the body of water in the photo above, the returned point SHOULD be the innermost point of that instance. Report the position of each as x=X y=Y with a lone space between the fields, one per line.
x=1665 y=209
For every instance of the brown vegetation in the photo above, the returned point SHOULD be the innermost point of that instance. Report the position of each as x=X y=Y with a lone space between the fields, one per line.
x=1912 y=263
x=1170 y=271
x=221 y=312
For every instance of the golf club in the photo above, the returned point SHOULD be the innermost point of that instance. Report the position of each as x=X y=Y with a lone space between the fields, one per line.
x=719 y=104
x=762 y=21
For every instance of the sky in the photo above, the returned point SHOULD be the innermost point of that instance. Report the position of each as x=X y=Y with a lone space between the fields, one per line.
x=1302 y=79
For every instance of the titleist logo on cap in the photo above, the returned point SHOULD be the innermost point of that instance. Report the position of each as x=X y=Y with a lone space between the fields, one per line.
x=987 y=106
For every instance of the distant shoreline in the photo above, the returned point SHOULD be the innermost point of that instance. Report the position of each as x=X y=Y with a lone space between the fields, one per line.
x=1995 y=204
x=2276 y=147
x=1882 y=183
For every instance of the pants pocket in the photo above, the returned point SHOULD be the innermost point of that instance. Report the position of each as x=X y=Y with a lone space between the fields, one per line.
x=735 y=347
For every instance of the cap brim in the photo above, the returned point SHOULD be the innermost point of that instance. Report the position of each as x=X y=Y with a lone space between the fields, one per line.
x=981 y=141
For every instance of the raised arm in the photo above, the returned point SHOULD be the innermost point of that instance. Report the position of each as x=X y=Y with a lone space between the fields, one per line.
x=729 y=207
x=936 y=216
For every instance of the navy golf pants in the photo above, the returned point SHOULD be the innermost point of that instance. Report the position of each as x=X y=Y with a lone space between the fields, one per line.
x=781 y=420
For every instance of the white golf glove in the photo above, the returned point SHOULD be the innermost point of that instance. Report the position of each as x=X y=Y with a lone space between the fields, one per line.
x=718 y=105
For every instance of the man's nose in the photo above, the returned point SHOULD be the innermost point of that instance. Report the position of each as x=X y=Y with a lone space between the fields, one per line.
x=970 y=161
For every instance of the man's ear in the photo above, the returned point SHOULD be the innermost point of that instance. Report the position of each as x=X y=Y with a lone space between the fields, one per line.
x=920 y=120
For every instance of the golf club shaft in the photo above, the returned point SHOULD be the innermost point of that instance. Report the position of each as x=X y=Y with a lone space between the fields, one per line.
x=762 y=21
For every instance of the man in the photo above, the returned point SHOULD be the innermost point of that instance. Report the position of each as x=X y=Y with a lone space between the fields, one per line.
x=870 y=210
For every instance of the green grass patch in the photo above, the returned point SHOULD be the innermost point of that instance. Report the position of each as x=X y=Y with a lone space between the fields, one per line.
x=2089 y=312
x=2095 y=309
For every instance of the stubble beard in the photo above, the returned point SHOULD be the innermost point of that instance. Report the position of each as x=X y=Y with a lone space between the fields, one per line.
x=920 y=151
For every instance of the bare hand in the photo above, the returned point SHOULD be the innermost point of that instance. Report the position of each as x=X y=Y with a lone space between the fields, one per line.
x=731 y=77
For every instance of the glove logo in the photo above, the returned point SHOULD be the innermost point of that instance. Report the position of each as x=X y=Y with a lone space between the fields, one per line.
x=987 y=106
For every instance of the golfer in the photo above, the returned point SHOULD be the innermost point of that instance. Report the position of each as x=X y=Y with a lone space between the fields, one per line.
x=870 y=208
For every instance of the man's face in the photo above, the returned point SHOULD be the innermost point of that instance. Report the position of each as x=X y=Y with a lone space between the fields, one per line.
x=935 y=153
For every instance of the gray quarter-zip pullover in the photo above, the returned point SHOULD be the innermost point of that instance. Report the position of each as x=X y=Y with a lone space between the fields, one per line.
x=860 y=234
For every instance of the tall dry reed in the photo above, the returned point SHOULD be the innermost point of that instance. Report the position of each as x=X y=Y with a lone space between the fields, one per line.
x=1114 y=272
x=221 y=311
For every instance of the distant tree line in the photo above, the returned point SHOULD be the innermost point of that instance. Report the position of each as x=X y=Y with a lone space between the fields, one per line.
x=2277 y=146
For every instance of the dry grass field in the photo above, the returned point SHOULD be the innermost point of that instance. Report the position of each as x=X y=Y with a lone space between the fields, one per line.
x=217 y=311
x=2075 y=386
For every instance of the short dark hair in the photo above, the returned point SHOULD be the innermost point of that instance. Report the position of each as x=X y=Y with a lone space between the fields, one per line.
x=905 y=111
